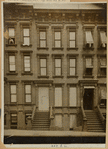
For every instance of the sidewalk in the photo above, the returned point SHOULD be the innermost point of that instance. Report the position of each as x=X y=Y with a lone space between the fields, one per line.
x=35 y=133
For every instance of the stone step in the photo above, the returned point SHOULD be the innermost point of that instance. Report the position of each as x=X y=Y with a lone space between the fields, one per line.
x=35 y=124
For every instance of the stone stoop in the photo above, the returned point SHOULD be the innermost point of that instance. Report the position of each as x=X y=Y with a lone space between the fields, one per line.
x=94 y=123
x=41 y=121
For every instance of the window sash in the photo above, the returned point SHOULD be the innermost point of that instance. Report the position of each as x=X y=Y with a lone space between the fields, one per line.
x=43 y=67
x=12 y=63
x=26 y=63
x=13 y=94
x=28 y=93
x=72 y=67
x=57 y=67
x=26 y=32
x=11 y=32
x=88 y=62
x=57 y=39
x=58 y=96
x=72 y=96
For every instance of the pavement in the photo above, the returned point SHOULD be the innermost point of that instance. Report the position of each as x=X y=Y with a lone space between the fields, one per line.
x=35 y=133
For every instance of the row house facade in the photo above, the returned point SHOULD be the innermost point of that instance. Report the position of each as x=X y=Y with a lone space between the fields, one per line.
x=55 y=67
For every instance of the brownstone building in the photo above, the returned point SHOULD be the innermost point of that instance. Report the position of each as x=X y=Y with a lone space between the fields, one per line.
x=55 y=66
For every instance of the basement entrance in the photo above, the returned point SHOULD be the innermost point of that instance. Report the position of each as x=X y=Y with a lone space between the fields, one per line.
x=88 y=99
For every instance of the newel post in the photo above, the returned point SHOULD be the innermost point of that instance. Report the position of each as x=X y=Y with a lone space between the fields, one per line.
x=29 y=123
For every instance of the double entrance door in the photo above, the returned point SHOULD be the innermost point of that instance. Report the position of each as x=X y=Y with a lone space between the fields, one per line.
x=43 y=99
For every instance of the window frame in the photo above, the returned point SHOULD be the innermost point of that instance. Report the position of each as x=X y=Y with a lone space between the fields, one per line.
x=26 y=36
x=10 y=64
x=12 y=36
x=43 y=67
x=60 y=40
x=26 y=93
x=11 y=93
x=101 y=67
x=43 y=30
x=58 y=86
x=29 y=64
x=57 y=67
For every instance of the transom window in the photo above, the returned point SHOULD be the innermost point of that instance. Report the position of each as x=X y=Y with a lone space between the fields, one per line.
x=57 y=39
x=43 y=67
x=13 y=93
x=72 y=39
x=42 y=39
x=27 y=63
x=26 y=36
x=57 y=67
x=11 y=36
x=28 y=93
x=12 y=63
x=72 y=68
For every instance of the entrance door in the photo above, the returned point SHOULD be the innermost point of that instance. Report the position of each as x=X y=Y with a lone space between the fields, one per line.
x=43 y=99
x=88 y=99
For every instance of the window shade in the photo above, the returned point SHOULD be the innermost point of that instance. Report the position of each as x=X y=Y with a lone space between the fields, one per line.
x=28 y=88
x=58 y=96
x=42 y=35
x=72 y=35
x=103 y=38
x=72 y=96
x=88 y=62
x=103 y=93
x=11 y=32
x=26 y=32
x=72 y=62
x=89 y=38
x=103 y=61
x=57 y=35
x=27 y=63
x=43 y=62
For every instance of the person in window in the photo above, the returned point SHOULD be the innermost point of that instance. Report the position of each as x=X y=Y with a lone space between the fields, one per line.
x=11 y=41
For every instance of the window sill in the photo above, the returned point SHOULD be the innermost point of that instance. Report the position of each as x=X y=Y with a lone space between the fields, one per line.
x=27 y=73
x=103 y=76
x=26 y=45
x=59 y=48
x=72 y=76
x=42 y=48
x=88 y=76
x=102 y=48
x=11 y=45
x=12 y=73
x=57 y=76
x=43 y=76
x=87 y=48
x=72 y=49
x=13 y=51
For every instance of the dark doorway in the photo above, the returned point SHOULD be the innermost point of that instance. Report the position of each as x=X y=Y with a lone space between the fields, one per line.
x=88 y=99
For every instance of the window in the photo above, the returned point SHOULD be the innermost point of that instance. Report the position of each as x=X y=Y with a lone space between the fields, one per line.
x=42 y=39
x=13 y=93
x=72 y=66
x=5 y=119
x=57 y=38
x=26 y=116
x=26 y=36
x=43 y=67
x=72 y=96
x=103 y=66
x=28 y=93
x=58 y=67
x=27 y=63
x=11 y=36
x=89 y=39
x=103 y=39
x=72 y=39
x=12 y=63
x=103 y=96
x=89 y=66
x=58 y=96
x=13 y=121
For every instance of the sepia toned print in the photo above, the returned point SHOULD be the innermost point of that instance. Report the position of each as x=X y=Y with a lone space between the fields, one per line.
x=55 y=61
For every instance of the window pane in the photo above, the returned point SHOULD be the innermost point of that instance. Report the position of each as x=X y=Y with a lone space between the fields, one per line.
x=72 y=71
x=43 y=71
x=26 y=41
x=58 y=96
x=28 y=88
x=13 y=89
x=57 y=62
x=88 y=62
x=57 y=35
x=89 y=38
x=42 y=43
x=103 y=61
x=72 y=44
x=11 y=32
x=42 y=35
x=12 y=59
x=58 y=71
x=12 y=67
x=43 y=62
x=72 y=35
x=13 y=98
x=57 y=43
x=72 y=62
x=72 y=96
x=28 y=98
x=26 y=32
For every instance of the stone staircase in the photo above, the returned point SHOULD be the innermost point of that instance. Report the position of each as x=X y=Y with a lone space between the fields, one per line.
x=94 y=123
x=41 y=121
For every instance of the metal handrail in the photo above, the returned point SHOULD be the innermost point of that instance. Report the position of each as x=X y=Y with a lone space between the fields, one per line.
x=101 y=116
x=33 y=112
x=51 y=113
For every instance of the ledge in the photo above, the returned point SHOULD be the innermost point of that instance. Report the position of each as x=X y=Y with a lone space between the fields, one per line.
x=86 y=48
x=30 y=51
x=88 y=76
x=27 y=73
x=10 y=73
x=11 y=51
x=11 y=45
x=42 y=48
x=72 y=49
x=59 y=48
x=72 y=76
x=102 y=48
x=104 y=76
x=43 y=76
x=57 y=76
x=26 y=45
